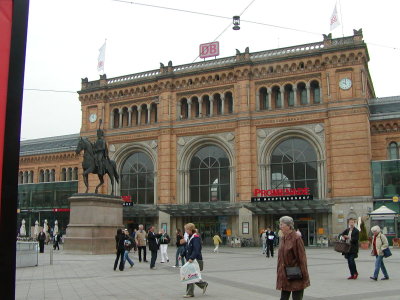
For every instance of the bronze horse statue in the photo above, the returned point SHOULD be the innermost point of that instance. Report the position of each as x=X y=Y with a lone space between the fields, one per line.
x=89 y=165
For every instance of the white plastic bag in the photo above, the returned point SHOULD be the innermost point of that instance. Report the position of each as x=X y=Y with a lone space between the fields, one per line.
x=190 y=272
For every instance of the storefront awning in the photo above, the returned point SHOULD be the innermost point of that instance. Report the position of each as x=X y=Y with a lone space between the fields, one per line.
x=140 y=210
x=201 y=209
x=383 y=213
x=289 y=207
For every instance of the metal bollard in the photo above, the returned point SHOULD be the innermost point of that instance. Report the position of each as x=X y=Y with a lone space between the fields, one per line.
x=51 y=256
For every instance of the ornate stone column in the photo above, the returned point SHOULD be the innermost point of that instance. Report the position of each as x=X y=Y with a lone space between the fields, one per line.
x=269 y=90
x=139 y=109
x=148 y=113
x=295 y=96
x=112 y=119
x=211 y=106
x=130 y=116
x=282 y=91
x=120 y=118
x=222 y=104
x=308 y=93
x=178 y=110
x=189 y=102
x=257 y=100
x=200 y=107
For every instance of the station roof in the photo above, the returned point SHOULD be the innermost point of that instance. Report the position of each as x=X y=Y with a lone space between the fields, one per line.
x=384 y=108
x=49 y=145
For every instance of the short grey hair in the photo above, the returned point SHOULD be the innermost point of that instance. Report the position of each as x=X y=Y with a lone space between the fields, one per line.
x=288 y=221
x=376 y=229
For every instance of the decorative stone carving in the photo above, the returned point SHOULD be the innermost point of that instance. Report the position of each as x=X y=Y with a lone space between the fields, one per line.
x=230 y=137
x=153 y=144
x=261 y=133
x=111 y=148
x=318 y=128
x=181 y=141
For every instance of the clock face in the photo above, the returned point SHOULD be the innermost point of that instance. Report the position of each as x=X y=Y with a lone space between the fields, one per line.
x=92 y=118
x=345 y=83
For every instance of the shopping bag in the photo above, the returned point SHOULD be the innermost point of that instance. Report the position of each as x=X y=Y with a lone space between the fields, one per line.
x=342 y=247
x=190 y=272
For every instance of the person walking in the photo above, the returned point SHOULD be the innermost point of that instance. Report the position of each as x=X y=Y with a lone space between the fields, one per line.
x=141 y=239
x=193 y=251
x=41 y=238
x=291 y=254
x=180 y=249
x=217 y=240
x=270 y=238
x=129 y=243
x=56 y=241
x=379 y=243
x=351 y=236
x=120 y=247
x=153 y=246
x=164 y=241
x=263 y=239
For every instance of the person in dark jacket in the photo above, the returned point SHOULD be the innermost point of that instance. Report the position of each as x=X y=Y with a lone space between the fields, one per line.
x=56 y=241
x=153 y=246
x=120 y=247
x=41 y=238
x=270 y=238
x=180 y=249
x=164 y=241
x=351 y=236
x=193 y=251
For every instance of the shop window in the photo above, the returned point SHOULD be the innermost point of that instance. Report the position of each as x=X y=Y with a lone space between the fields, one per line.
x=294 y=165
x=209 y=175
x=137 y=178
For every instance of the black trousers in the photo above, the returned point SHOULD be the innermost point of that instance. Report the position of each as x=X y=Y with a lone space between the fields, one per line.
x=56 y=245
x=41 y=246
x=270 y=248
x=140 y=253
x=120 y=256
x=296 y=295
x=352 y=263
x=153 y=258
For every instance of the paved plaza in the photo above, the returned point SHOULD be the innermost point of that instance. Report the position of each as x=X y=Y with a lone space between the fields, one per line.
x=234 y=273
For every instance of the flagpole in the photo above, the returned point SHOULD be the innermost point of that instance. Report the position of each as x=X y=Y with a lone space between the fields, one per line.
x=341 y=16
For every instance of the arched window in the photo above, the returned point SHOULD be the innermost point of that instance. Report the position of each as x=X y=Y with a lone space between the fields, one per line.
x=25 y=177
x=184 y=109
x=276 y=95
x=294 y=165
x=209 y=175
x=315 y=92
x=69 y=174
x=30 y=177
x=41 y=176
x=46 y=175
x=263 y=98
x=21 y=177
x=137 y=178
x=228 y=103
x=116 y=118
x=63 y=174
x=302 y=93
x=52 y=175
x=75 y=174
x=393 y=150
x=289 y=95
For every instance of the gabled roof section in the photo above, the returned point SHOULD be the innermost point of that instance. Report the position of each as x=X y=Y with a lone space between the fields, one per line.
x=54 y=144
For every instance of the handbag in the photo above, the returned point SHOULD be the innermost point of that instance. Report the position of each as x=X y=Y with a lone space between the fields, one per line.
x=387 y=252
x=342 y=247
x=293 y=273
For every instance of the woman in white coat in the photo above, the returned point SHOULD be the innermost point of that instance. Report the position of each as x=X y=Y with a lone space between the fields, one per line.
x=379 y=243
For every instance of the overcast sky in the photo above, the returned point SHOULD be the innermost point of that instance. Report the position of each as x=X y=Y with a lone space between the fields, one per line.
x=64 y=38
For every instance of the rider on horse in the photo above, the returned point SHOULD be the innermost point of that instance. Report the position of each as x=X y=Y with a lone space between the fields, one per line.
x=101 y=152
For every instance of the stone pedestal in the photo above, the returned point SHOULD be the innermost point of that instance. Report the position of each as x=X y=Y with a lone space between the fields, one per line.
x=94 y=220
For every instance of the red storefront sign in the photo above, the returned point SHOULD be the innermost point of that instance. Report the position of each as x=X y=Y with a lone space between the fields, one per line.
x=281 y=195
x=126 y=198
x=61 y=209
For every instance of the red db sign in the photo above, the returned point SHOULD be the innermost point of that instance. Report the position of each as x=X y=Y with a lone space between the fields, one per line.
x=209 y=49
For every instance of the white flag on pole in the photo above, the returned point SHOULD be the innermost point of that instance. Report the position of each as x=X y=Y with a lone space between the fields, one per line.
x=334 y=19
x=102 y=56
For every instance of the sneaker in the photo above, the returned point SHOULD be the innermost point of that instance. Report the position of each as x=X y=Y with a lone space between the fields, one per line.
x=188 y=296
x=162 y=262
x=167 y=260
x=205 y=288
x=373 y=278
x=153 y=268
x=385 y=278
x=131 y=266
x=146 y=261
x=174 y=266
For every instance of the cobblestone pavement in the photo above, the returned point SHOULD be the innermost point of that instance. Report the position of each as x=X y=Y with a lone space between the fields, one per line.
x=234 y=273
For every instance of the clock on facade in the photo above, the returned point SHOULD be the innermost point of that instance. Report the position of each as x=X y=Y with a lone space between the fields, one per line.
x=92 y=118
x=345 y=83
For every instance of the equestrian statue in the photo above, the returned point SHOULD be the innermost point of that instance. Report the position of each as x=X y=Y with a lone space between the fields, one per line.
x=96 y=160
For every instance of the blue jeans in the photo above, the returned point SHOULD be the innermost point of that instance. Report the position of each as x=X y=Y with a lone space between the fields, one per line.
x=380 y=265
x=179 y=251
x=352 y=264
x=127 y=258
